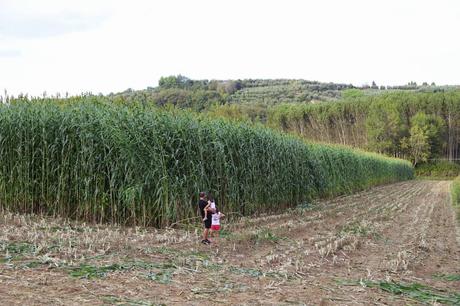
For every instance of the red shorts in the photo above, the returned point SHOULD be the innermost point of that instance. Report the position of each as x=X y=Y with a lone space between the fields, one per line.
x=215 y=227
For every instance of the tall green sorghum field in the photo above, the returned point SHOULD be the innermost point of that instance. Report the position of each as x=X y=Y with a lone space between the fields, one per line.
x=87 y=159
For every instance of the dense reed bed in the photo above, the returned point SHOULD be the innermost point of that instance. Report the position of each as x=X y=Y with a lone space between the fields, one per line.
x=88 y=159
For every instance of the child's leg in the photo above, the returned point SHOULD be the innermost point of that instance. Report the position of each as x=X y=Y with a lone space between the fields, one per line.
x=216 y=237
x=206 y=213
x=215 y=231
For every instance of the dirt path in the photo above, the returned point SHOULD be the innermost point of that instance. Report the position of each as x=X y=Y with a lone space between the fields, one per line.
x=404 y=232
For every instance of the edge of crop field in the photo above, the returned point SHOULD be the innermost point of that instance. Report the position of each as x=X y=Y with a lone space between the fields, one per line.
x=455 y=199
x=139 y=164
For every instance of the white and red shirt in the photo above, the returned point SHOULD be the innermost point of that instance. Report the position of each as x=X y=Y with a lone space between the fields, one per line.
x=215 y=219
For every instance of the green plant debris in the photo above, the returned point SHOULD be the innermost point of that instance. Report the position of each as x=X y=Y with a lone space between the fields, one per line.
x=415 y=291
x=114 y=300
x=306 y=206
x=17 y=247
x=258 y=273
x=162 y=250
x=448 y=277
x=247 y=271
x=223 y=288
x=163 y=277
x=264 y=235
x=357 y=228
x=33 y=264
x=361 y=229
x=224 y=233
x=175 y=252
x=89 y=271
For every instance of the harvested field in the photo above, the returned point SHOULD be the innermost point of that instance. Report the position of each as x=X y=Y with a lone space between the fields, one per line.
x=370 y=248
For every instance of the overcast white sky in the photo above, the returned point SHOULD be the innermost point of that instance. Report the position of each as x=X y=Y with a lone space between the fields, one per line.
x=109 y=46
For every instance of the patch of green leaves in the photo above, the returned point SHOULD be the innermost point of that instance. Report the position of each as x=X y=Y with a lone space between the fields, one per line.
x=219 y=289
x=257 y=273
x=247 y=271
x=176 y=253
x=67 y=228
x=264 y=235
x=114 y=300
x=162 y=277
x=15 y=250
x=17 y=247
x=162 y=250
x=89 y=271
x=415 y=291
x=306 y=205
x=448 y=277
x=33 y=264
x=359 y=228
x=225 y=233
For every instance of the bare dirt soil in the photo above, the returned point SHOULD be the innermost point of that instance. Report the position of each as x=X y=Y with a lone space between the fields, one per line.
x=327 y=253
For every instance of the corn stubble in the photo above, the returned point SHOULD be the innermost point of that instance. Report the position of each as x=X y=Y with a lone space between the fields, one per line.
x=84 y=158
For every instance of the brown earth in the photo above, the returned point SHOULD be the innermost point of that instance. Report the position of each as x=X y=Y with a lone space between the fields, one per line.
x=405 y=232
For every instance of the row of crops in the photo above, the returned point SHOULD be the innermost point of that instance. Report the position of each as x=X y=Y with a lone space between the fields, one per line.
x=87 y=159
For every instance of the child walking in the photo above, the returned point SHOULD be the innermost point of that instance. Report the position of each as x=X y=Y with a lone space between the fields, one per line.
x=215 y=222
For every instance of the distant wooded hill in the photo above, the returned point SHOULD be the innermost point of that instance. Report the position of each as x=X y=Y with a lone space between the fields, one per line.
x=199 y=95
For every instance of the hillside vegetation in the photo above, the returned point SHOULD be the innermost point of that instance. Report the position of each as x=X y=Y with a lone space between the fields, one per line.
x=199 y=95
x=415 y=126
x=88 y=158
